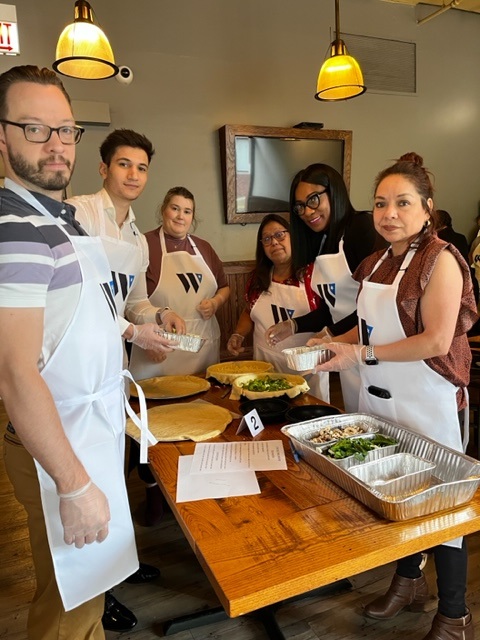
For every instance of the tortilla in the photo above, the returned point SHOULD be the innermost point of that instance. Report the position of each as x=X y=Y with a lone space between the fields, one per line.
x=165 y=387
x=226 y=372
x=299 y=385
x=195 y=421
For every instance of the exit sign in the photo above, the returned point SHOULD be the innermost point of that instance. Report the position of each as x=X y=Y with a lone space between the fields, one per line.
x=9 y=44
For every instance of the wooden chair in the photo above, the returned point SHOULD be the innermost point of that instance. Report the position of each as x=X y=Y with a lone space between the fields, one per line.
x=237 y=276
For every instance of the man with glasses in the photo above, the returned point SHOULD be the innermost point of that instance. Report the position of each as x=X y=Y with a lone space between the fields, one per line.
x=60 y=358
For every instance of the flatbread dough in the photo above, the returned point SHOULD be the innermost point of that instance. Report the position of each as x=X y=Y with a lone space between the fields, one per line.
x=165 y=387
x=226 y=372
x=299 y=386
x=195 y=421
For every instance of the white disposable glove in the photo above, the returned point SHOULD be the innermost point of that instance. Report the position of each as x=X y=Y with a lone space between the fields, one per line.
x=85 y=515
x=280 y=331
x=172 y=322
x=234 y=344
x=207 y=308
x=149 y=336
x=346 y=355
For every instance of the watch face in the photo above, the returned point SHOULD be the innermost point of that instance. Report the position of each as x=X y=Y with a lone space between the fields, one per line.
x=371 y=361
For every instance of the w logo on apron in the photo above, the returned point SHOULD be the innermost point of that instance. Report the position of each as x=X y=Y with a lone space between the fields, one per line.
x=327 y=292
x=280 y=314
x=121 y=282
x=365 y=331
x=107 y=288
x=190 y=281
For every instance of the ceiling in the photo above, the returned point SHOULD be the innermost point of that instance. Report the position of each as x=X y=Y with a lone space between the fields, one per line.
x=465 y=5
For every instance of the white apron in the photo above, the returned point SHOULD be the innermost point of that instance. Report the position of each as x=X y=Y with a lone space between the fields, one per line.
x=421 y=399
x=125 y=259
x=279 y=303
x=185 y=280
x=88 y=394
x=333 y=280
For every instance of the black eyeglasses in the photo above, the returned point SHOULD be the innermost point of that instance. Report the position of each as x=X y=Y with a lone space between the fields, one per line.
x=40 y=133
x=312 y=202
x=278 y=235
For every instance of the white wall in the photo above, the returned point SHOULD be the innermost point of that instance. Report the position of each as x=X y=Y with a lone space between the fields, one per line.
x=200 y=64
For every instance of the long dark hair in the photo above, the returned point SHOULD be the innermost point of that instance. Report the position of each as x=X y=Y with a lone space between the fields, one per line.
x=261 y=277
x=305 y=242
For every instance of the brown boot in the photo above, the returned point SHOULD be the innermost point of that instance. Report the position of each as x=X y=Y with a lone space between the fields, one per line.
x=404 y=593
x=444 y=628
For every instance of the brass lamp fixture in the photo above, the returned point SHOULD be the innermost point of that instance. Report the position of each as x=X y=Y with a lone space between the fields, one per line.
x=83 y=50
x=340 y=77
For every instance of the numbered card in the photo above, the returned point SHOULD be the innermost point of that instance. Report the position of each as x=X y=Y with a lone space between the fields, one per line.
x=252 y=421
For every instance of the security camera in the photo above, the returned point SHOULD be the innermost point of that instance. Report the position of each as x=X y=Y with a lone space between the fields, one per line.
x=124 y=75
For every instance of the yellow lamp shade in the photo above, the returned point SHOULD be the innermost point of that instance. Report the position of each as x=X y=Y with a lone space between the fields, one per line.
x=340 y=77
x=83 y=50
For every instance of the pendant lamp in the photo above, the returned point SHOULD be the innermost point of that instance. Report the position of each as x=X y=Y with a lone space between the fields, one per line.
x=340 y=77
x=83 y=50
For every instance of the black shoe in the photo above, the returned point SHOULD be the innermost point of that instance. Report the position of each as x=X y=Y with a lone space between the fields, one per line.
x=116 y=616
x=145 y=573
x=154 y=508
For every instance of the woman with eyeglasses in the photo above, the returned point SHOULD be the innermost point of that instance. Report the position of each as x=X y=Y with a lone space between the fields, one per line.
x=329 y=238
x=273 y=294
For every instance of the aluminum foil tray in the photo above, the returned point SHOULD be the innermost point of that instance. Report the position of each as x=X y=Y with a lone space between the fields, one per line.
x=454 y=482
x=352 y=461
x=306 y=358
x=185 y=342
x=308 y=429
x=396 y=477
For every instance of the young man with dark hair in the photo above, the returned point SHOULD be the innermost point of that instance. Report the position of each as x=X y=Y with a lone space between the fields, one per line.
x=108 y=214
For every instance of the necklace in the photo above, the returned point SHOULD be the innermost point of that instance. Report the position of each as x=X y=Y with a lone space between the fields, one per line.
x=175 y=242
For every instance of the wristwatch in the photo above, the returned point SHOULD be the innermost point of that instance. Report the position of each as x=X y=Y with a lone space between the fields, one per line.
x=370 y=355
x=158 y=314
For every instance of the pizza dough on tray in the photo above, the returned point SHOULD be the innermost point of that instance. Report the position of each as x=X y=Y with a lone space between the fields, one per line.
x=226 y=372
x=298 y=385
x=195 y=421
x=165 y=387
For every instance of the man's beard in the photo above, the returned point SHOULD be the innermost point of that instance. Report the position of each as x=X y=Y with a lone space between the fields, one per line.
x=56 y=181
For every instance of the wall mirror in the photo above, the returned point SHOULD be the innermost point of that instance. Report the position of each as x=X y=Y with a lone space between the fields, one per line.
x=259 y=163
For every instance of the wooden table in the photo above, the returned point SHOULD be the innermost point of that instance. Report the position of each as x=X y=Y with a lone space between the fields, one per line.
x=300 y=533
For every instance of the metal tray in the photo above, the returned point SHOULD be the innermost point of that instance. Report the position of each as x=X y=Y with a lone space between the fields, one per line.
x=186 y=341
x=396 y=477
x=308 y=429
x=306 y=358
x=353 y=461
x=456 y=477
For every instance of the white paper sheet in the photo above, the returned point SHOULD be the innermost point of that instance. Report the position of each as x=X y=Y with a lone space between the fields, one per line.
x=262 y=455
x=213 y=485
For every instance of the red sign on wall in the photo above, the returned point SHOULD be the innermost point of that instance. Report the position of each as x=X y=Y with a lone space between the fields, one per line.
x=9 y=44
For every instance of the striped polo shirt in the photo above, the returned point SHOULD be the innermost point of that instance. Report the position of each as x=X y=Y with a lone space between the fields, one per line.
x=38 y=264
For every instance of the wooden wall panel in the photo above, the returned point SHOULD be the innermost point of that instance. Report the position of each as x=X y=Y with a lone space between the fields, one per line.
x=237 y=275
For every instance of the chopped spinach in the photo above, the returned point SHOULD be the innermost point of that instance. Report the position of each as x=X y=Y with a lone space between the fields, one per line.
x=358 y=447
x=267 y=384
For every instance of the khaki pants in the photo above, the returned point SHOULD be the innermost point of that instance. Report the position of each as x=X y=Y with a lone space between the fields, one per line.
x=47 y=619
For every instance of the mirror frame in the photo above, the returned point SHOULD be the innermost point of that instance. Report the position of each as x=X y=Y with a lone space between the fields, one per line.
x=228 y=161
